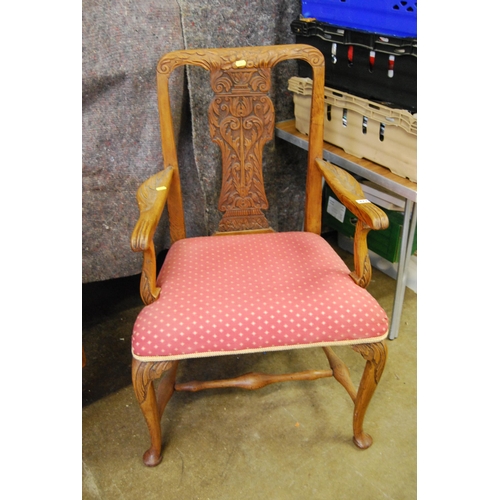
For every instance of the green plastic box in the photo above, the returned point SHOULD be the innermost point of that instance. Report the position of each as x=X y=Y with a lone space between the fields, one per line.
x=385 y=243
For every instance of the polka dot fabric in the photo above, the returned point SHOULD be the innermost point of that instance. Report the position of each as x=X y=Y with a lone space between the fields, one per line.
x=249 y=293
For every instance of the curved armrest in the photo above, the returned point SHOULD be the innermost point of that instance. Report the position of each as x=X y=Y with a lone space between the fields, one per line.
x=151 y=198
x=349 y=192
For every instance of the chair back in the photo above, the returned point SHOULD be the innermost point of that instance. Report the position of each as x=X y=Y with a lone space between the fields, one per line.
x=241 y=120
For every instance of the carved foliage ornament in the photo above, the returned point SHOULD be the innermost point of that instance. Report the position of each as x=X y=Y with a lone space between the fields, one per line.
x=225 y=59
x=144 y=373
x=241 y=120
x=376 y=355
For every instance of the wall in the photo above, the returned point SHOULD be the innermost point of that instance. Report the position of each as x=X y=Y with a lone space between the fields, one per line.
x=122 y=42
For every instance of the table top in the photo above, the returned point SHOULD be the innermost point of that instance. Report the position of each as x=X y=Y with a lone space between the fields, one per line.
x=378 y=174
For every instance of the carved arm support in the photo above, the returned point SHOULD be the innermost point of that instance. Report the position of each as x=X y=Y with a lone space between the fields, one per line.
x=151 y=198
x=349 y=192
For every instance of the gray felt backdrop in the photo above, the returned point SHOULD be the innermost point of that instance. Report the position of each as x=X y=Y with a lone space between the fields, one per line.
x=122 y=42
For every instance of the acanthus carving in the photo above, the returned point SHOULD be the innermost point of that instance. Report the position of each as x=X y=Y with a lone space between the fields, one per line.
x=241 y=123
x=364 y=280
x=376 y=354
x=148 y=289
x=241 y=120
x=255 y=80
x=362 y=274
x=144 y=373
x=226 y=58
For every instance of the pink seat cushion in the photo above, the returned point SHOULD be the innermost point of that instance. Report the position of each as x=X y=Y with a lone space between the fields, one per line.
x=254 y=292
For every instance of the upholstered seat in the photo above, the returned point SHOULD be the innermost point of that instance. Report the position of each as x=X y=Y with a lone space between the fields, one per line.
x=247 y=288
x=250 y=293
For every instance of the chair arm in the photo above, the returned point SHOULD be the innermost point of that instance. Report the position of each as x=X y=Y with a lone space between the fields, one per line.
x=151 y=198
x=349 y=192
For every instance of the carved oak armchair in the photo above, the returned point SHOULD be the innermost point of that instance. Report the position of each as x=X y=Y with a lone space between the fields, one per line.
x=247 y=288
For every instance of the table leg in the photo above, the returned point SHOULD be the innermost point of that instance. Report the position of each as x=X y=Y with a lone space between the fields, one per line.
x=409 y=226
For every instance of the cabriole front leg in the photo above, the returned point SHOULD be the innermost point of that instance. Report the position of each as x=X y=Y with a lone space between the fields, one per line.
x=143 y=374
x=375 y=356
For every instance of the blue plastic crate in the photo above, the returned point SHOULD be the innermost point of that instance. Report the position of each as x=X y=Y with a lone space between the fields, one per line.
x=386 y=17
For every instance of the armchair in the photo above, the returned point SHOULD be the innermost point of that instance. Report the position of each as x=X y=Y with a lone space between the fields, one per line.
x=247 y=288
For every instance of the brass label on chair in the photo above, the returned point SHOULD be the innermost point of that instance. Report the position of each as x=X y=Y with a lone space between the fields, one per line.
x=241 y=118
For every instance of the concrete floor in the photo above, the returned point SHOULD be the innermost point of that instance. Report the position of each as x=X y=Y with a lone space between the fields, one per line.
x=290 y=441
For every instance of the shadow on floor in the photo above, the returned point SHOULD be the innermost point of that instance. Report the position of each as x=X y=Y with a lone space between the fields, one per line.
x=107 y=307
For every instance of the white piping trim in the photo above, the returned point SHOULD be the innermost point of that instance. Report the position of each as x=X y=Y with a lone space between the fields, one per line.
x=177 y=357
